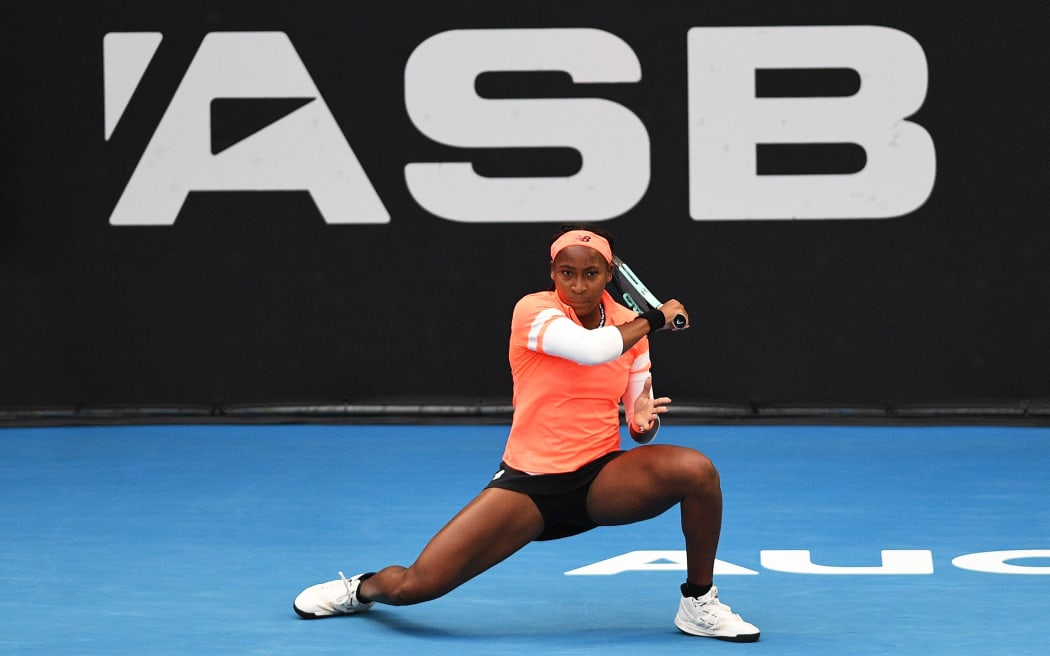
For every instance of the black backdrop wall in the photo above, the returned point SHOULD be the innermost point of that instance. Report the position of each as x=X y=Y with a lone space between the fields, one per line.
x=258 y=291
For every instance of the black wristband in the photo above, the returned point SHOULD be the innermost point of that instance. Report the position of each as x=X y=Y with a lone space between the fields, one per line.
x=655 y=318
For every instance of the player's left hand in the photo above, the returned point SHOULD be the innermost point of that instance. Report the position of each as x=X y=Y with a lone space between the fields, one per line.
x=647 y=408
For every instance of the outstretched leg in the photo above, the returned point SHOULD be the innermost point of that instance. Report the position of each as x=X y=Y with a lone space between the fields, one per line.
x=496 y=524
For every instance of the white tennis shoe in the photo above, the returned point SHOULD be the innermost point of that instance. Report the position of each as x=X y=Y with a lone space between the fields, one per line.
x=707 y=616
x=337 y=597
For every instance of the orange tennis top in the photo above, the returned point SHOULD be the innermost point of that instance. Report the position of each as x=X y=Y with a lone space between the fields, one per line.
x=565 y=414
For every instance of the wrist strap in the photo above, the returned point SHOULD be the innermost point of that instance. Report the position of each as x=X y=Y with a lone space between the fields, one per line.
x=655 y=318
x=647 y=436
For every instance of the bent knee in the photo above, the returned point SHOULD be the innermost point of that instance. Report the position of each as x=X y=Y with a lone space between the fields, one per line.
x=698 y=470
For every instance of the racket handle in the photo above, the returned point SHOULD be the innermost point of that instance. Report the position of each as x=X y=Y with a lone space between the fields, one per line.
x=679 y=321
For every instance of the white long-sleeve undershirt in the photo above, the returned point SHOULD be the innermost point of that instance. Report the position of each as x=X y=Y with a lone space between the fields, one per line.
x=567 y=339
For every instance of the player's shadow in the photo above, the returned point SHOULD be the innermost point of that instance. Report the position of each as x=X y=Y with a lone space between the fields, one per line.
x=475 y=629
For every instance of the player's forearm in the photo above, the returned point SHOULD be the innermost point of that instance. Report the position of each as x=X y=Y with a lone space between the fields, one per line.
x=634 y=330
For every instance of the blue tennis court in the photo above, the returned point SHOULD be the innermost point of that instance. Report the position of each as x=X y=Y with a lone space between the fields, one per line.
x=195 y=539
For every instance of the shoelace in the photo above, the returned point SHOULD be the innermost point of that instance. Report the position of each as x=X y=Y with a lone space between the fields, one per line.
x=712 y=610
x=349 y=595
x=345 y=603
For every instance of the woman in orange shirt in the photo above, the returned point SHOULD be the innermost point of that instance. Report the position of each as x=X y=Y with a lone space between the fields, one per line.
x=575 y=355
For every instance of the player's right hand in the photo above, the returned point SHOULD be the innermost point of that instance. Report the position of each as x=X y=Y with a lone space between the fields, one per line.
x=670 y=310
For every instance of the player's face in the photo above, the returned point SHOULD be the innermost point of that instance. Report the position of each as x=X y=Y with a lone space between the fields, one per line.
x=580 y=275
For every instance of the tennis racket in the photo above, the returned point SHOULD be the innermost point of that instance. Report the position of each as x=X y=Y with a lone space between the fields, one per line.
x=634 y=294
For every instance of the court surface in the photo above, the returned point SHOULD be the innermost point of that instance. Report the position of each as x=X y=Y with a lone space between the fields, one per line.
x=195 y=539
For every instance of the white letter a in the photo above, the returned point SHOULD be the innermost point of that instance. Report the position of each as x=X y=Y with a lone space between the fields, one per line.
x=303 y=151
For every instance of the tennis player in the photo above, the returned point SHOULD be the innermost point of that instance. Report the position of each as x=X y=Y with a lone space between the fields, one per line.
x=575 y=355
